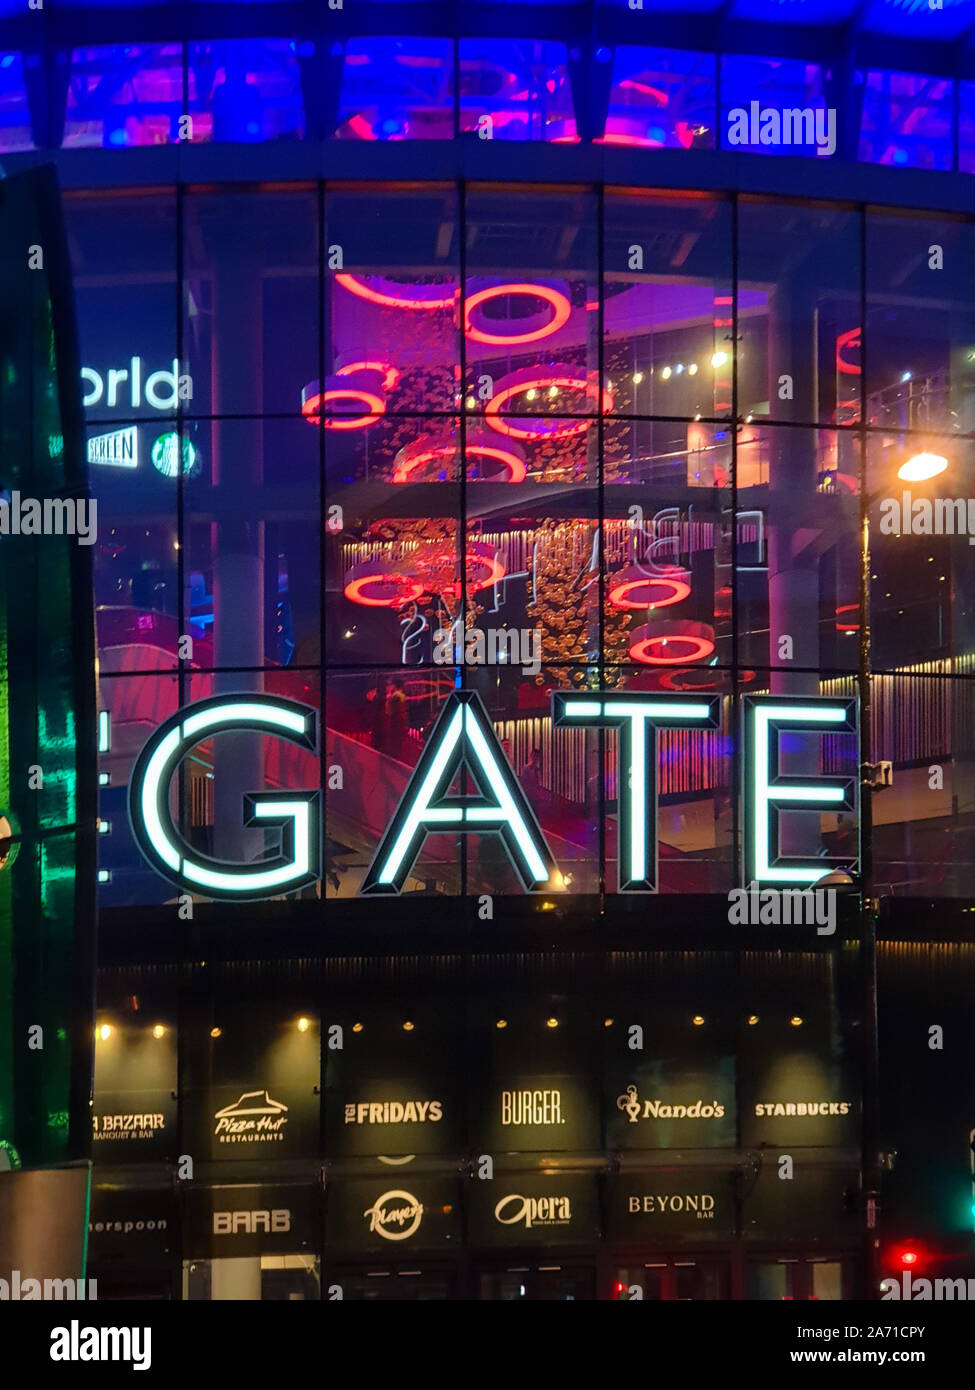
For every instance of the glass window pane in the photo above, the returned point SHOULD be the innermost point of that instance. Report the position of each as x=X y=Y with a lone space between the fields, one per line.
x=661 y=98
x=397 y=89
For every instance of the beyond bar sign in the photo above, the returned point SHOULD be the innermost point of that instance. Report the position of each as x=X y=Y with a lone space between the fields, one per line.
x=464 y=736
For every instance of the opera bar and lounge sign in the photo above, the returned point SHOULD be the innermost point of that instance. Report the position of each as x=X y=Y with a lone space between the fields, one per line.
x=464 y=736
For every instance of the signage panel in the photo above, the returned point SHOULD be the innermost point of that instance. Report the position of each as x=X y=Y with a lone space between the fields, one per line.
x=682 y=1205
x=392 y=1214
x=131 y=1223
x=464 y=736
x=532 y=1112
x=669 y=1103
x=799 y=1099
x=239 y=1221
x=533 y=1209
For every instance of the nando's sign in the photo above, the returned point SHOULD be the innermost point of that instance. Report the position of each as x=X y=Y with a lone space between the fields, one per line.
x=464 y=735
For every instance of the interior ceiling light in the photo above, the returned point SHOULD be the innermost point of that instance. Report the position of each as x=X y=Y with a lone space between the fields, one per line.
x=443 y=451
x=671 y=643
x=430 y=568
x=393 y=295
x=377 y=584
x=634 y=588
x=850 y=339
x=343 y=395
x=482 y=328
x=920 y=467
x=545 y=426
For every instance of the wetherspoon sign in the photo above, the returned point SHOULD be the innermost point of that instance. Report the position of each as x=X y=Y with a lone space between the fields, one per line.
x=464 y=736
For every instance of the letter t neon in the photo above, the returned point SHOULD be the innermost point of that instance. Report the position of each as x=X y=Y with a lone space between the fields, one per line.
x=637 y=718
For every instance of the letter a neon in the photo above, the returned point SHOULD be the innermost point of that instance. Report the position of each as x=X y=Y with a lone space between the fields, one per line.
x=462 y=735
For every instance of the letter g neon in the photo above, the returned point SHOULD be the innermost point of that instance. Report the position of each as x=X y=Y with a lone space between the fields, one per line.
x=298 y=861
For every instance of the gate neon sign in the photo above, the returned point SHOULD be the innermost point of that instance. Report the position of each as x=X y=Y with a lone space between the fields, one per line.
x=464 y=736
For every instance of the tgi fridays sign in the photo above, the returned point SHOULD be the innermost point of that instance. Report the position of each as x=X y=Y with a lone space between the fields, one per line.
x=389 y=1115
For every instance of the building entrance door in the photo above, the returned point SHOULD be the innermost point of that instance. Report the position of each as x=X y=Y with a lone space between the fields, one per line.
x=384 y=1281
x=662 y=1277
x=551 y=1280
x=799 y=1278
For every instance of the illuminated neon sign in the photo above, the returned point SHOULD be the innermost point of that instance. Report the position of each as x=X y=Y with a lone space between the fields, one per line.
x=637 y=719
x=464 y=736
x=770 y=793
x=295 y=814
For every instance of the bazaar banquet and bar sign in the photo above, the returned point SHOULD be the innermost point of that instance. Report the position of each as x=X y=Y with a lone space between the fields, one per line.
x=463 y=735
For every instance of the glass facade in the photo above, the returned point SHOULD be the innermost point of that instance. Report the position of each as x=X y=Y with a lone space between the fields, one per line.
x=123 y=95
x=589 y=447
x=431 y=472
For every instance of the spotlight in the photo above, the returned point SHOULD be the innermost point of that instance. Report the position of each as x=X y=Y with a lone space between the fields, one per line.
x=159 y=1031
x=357 y=1027
x=215 y=1032
x=796 y=1021
x=607 y=1023
x=692 y=369
x=637 y=378
x=665 y=373
x=718 y=359
x=922 y=466
x=698 y=1020
x=551 y=1023
x=752 y=1020
x=104 y=1032
x=407 y=1027
x=501 y=1023
x=303 y=1025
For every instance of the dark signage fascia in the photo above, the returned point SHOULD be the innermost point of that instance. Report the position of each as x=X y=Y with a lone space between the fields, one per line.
x=682 y=1206
x=132 y=1223
x=533 y=1209
x=393 y=1213
x=262 y=1219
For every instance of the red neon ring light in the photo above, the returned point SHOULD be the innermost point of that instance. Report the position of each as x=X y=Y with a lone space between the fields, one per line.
x=390 y=375
x=685 y=634
x=559 y=303
x=381 y=589
x=426 y=449
x=849 y=339
x=395 y=296
x=544 y=427
x=846 y=625
x=628 y=581
x=311 y=407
